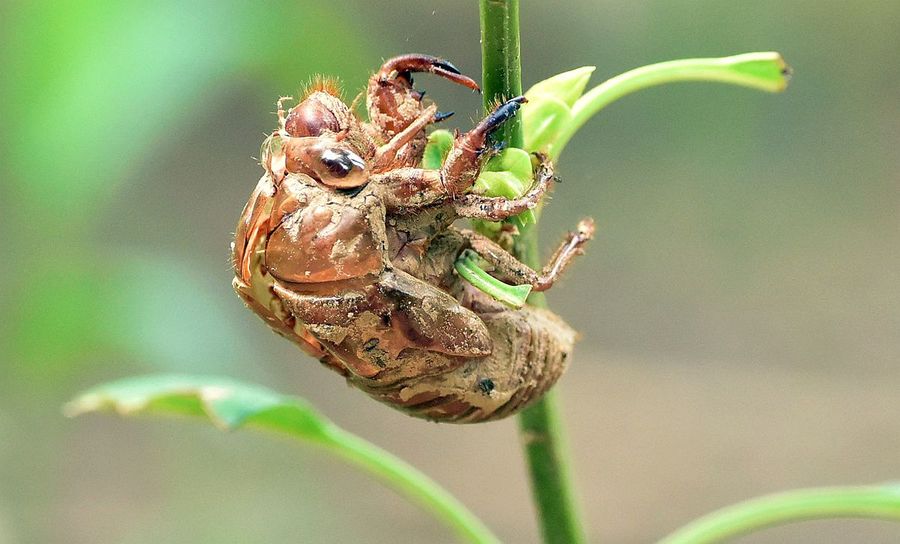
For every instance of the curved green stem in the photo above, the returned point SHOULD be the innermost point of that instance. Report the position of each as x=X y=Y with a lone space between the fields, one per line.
x=232 y=405
x=764 y=71
x=540 y=426
x=877 y=502
x=409 y=481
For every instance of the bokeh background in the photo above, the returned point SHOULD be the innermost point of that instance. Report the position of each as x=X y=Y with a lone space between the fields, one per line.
x=740 y=309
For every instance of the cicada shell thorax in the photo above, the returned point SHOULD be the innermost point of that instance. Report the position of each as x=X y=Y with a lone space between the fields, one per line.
x=254 y=284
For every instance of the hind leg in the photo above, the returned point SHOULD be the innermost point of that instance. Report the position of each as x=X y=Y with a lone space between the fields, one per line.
x=509 y=269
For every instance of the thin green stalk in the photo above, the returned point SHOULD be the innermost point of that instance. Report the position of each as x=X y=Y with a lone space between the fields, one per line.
x=764 y=71
x=877 y=502
x=501 y=63
x=540 y=425
x=542 y=435
x=409 y=481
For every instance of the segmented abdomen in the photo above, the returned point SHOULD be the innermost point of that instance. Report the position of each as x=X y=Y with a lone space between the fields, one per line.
x=531 y=350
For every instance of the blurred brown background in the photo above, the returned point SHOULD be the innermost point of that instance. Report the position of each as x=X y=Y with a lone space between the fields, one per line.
x=740 y=308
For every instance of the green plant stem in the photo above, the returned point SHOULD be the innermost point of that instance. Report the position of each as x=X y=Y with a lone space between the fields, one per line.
x=540 y=426
x=765 y=71
x=409 y=481
x=501 y=63
x=877 y=502
x=543 y=439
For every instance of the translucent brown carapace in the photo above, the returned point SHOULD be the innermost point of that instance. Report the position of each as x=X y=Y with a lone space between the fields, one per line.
x=347 y=247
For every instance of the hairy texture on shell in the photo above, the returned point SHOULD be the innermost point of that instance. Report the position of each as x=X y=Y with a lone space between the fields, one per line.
x=322 y=83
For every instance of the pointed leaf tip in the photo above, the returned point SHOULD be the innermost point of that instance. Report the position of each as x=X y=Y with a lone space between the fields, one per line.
x=767 y=70
x=567 y=86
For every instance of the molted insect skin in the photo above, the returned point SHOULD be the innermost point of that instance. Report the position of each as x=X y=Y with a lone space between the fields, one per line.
x=519 y=355
x=361 y=274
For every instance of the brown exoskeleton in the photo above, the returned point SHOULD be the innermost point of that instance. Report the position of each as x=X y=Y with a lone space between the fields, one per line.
x=347 y=247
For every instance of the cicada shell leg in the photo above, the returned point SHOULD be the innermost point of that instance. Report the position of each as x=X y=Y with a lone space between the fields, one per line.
x=392 y=102
x=393 y=329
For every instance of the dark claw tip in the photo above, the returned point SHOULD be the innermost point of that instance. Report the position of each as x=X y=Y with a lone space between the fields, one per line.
x=500 y=115
x=447 y=65
x=441 y=115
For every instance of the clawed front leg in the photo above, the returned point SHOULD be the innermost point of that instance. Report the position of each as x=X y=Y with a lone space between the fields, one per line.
x=392 y=102
x=394 y=106
x=498 y=208
x=410 y=188
x=509 y=269
x=463 y=163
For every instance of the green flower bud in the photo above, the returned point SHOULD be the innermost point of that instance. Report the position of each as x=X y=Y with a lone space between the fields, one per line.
x=436 y=149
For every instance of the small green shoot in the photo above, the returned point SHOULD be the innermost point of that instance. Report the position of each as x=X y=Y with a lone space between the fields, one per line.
x=512 y=295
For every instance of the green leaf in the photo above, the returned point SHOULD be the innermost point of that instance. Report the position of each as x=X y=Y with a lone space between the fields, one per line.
x=875 y=502
x=230 y=405
x=566 y=87
x=227 y=403
x=765 y=71
x=507 y=185
x=511 y=295
x=543 y=120
x=504 y=184
x=549 y=107
x=436 y=149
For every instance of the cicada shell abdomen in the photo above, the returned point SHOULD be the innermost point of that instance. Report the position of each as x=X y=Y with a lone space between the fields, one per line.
x=531 y=349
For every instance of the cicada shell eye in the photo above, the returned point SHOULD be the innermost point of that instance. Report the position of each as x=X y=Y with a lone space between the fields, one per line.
x=342 y=168
x=326 y=161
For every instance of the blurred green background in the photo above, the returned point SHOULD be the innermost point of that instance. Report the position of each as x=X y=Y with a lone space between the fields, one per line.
x=740 y=309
